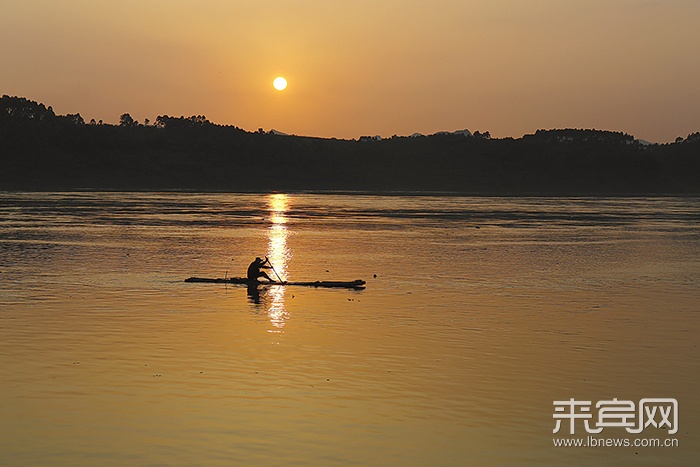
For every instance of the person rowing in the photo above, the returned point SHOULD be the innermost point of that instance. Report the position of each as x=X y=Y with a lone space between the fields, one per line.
x=255 y=270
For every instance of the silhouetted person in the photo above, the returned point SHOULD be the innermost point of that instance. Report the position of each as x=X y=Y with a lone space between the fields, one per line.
x=256 y=267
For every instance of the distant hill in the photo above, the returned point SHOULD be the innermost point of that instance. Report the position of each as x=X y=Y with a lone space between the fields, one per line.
x=43 y=151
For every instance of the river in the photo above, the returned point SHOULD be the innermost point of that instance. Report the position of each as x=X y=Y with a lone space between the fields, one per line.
x=479 y=314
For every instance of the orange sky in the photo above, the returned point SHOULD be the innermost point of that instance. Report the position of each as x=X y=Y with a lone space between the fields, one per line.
x=364 y=67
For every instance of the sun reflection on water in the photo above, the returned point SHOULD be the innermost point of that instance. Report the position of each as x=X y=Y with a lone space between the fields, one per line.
x=279 y=255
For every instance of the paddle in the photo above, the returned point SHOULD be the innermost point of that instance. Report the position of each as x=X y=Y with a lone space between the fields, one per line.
x=273 y=269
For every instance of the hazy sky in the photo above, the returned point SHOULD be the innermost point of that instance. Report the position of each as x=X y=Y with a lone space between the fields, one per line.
x=364 y=67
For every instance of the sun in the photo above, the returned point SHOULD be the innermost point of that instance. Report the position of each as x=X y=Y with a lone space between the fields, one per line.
x=280 y=83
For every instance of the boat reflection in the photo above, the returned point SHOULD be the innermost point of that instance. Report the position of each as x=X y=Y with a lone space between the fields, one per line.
x=279 y=255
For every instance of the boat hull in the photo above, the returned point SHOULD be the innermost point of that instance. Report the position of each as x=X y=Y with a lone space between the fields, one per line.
x=356 y=284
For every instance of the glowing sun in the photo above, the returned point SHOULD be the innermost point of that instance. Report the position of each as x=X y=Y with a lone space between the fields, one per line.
x=280 y=83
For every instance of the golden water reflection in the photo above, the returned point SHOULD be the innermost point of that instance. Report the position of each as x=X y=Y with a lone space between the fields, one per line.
x=279 y=255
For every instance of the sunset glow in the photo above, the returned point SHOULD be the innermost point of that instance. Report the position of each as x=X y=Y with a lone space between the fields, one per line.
x=508 y=67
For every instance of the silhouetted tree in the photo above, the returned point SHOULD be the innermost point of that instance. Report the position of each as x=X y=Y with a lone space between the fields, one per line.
x=24 y=109
x=165 y=121
x=74 y=119
x=126 y=120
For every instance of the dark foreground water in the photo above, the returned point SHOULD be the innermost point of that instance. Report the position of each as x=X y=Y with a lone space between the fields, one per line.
x=483 y=313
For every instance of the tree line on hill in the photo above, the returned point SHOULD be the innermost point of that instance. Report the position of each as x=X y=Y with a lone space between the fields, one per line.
x=40 y=150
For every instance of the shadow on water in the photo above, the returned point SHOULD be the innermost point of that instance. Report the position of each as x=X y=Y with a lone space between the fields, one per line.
x=254 y=294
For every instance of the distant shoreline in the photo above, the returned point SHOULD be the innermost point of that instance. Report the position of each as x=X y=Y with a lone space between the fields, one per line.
x=361 y=193
x=42 y=151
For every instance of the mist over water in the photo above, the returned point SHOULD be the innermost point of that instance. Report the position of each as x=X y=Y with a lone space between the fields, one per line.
x=482 y=313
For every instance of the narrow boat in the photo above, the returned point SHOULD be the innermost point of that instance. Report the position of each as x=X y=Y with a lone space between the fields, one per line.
x=356 y=284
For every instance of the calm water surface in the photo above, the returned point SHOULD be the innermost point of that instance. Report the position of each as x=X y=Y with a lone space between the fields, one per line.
x=482 y=313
